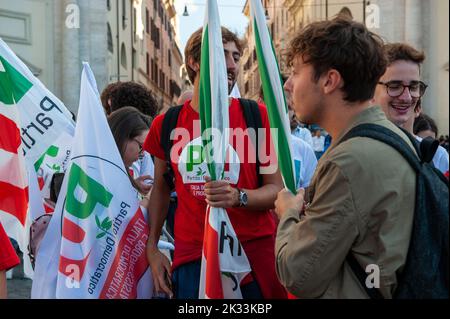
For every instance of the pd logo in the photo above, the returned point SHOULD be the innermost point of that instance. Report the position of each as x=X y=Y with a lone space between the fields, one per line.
x=193 y=168
x=84 y=196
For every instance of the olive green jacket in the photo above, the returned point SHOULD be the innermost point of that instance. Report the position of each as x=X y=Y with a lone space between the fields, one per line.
x=362 y=199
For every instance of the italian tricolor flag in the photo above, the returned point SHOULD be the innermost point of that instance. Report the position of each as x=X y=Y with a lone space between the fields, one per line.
x=273 y=93
x=223 y=265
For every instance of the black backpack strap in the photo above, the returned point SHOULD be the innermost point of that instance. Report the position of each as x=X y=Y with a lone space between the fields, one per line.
x=359 y=272
x=253 y=120
x=168 y=125
x=428 y=148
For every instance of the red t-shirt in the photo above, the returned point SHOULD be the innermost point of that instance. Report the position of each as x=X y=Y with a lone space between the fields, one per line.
x=8 y=256
x=189 y=173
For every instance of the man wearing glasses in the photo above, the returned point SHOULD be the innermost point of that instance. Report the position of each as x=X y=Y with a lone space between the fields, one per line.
x=400 y=90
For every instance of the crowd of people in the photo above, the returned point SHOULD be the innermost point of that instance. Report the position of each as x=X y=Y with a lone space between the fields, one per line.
x=357 y=196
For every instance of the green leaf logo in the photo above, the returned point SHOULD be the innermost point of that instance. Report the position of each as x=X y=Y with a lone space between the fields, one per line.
x=200 y=172
x=104 y=226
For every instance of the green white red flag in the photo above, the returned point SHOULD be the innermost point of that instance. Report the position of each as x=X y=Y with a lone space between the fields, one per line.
x=95 y=244
x=273 y=94
x=223 y=265
x=32 y=122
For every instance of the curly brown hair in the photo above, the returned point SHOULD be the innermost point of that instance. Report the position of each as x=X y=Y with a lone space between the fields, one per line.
x=402 y=51
x=194 y=47
x=346 y=46
x=131 y=94
x=106 y=96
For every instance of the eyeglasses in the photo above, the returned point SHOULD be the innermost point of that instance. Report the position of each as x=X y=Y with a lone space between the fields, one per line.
x=396 y=88
x=140 y=145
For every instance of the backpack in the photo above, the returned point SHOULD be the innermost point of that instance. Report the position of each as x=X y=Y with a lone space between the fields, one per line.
x=253 y=120
x=425 y=275
x=37 y=232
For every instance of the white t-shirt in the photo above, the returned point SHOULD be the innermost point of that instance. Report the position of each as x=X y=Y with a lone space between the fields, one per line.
x=305 y=162
x=318 y=143
x=144 y=166
x=440 y=159
x=304 y=134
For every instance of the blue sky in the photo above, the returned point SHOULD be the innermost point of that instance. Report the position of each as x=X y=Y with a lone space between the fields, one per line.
x=230 y=12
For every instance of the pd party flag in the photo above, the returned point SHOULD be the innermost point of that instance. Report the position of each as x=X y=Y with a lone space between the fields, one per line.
x=273 y=93
x=223 y=266
x=95 y=244
x=32 y=119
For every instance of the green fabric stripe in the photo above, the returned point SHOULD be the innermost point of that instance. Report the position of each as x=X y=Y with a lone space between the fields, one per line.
x=13 y=85
x=284 y=155
x=205 y=100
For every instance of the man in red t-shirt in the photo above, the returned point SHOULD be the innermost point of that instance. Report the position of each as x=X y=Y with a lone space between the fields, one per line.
x=247 y=203
x=8 y=260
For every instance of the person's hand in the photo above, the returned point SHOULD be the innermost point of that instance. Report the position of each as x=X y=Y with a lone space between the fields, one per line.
x=220 y=194
x=160 y=266
x=286 y=200
x=143 y=186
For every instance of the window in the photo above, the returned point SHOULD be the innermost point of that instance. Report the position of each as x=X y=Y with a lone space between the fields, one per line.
x=108 y=4
x=134 y=58
x=110 y=40
x=123 y=56
x=124 y=14
x=169 y=58
x=147 y=22
x=153 y=70
x=147 y=65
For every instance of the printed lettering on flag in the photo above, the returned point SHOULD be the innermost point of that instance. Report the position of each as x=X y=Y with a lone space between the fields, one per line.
x=101 y=248
x=32 y=119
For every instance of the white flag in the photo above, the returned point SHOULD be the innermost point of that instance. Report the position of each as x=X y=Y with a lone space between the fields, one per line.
x=100 y=252
x=32 y=121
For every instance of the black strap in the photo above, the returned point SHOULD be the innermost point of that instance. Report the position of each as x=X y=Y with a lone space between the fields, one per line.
x=428 y=148
x=359 y=272
x=253 y=120
x=169 y=124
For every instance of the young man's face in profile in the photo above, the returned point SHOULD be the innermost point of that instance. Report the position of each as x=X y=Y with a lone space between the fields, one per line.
x=232 y=60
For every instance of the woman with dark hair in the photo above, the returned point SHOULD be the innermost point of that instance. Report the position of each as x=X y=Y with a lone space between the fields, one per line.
x=129 y=128
x=424 y=126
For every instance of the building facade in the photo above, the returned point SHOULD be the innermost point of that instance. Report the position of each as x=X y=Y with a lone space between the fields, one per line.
x=143 y=46
x=53 y=37
x=123 y=40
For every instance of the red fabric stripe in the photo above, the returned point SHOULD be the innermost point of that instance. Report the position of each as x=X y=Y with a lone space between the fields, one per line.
x=10 y=136
x=14 y=200
x=130 y=262
x=72 y=268
x=72 y=231
x=213 y=280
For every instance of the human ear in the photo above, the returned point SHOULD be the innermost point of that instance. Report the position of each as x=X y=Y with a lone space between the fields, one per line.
x=195 y=66
x=332 y=81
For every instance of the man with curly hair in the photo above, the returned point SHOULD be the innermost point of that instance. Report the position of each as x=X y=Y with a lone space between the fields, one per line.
x=119 y=94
